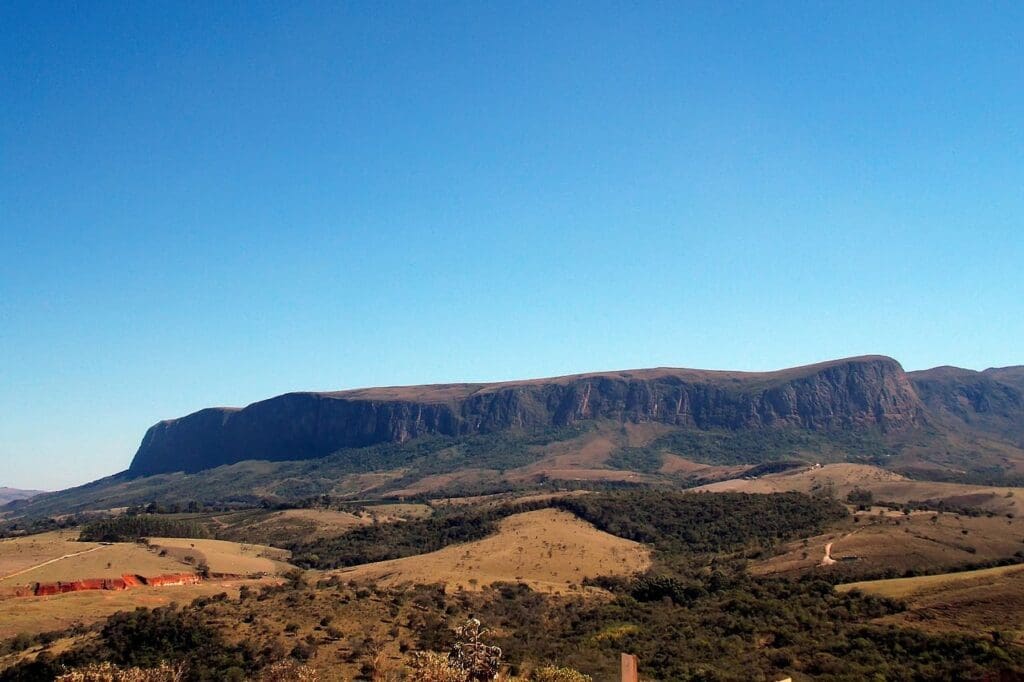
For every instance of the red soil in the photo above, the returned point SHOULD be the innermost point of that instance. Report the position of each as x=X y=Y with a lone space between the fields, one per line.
x=123 y=583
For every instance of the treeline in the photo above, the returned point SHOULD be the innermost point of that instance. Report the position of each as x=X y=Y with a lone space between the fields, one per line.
x=675 y=521
x=130 y=527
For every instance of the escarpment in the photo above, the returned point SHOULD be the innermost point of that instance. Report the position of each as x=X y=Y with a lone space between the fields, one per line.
x=869 y=391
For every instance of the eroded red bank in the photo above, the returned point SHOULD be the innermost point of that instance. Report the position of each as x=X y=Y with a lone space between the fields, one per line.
x=125 y=582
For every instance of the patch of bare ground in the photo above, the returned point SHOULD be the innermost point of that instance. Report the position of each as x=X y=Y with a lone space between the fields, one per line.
x=589 y=451
x=367 y=483
x=585 y=458
x=678 y=466
x=881 y=539
x=436 y=482
x=398 y=511
x=593 y=475
x=499 y=499
x=839 y=478
x=549 y=550
x=987 y=601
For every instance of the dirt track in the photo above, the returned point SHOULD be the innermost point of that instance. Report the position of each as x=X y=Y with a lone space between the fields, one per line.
x=51 y=561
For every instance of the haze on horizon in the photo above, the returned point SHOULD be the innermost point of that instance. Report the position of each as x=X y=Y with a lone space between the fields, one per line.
x=212 y=205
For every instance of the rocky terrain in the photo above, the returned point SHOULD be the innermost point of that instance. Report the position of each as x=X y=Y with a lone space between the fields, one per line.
x=991 y=401
x=871 y=391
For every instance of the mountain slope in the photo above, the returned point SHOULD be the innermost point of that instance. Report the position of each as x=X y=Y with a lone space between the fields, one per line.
x=989 y=402
x=871 y=391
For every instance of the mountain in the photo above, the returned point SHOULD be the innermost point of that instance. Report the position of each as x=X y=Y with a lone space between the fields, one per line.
x=12 y=494
x=989 y=403
x=671 y=427
x=855 y=393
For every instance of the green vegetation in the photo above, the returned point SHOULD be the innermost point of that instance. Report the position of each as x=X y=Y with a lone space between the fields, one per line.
x=130 y=527
x=675 y=521
x=733 y=627
x=645 y=460
x=756 y=446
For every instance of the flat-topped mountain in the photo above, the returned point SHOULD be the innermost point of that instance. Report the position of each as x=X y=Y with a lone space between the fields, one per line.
x=869 y=391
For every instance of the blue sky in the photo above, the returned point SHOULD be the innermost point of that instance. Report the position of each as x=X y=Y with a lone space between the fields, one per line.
x=212 y=203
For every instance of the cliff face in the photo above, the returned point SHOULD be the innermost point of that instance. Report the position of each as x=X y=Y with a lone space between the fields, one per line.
x=860 y=392
x=991 y=402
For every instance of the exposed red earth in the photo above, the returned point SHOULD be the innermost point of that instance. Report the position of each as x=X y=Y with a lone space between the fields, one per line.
x=125 y=582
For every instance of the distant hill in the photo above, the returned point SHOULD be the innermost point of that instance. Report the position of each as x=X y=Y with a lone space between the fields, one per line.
x=12 y=494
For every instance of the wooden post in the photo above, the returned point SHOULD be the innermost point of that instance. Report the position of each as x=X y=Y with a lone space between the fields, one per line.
x=629 y=668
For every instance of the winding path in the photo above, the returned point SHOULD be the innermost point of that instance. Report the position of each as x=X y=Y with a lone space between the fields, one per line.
x=827 y=560
x=51 y=561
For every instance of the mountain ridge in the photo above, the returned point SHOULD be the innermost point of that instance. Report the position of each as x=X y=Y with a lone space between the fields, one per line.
x=838 y=394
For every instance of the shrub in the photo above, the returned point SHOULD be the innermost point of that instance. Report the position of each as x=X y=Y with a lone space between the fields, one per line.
x=108 y=672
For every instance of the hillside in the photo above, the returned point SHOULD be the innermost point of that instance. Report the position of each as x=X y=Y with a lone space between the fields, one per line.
x=989 y=402
x=548 y=549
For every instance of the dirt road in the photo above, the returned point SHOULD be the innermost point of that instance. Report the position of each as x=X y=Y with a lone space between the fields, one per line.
x=51 y=561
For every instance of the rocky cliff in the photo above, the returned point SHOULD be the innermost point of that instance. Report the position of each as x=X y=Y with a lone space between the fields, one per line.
x=868 y=391
x=990 y=402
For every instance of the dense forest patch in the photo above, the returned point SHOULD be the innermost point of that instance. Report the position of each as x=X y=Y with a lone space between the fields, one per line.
x=675 y=521
x=130 y=527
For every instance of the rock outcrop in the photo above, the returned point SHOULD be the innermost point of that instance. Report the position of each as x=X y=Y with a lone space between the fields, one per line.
x=870 y=391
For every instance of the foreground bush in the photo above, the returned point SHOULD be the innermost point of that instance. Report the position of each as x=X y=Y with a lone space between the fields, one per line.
x=108 y=672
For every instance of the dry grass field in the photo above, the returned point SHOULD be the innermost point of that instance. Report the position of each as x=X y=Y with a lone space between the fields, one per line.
x=586 y=458
x=234 y=558
x=435 y=482
x=398 y=511
x=500 y=499
x=51 y=557
x=972 y=602
x=840 y=477
x=883 y=539
x=918 y=586
x=886 y=486
x=17 y=554
x=549 y=550
x=289 y=523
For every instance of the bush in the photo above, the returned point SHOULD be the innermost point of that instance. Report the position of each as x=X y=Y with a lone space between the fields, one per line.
x=107 y=672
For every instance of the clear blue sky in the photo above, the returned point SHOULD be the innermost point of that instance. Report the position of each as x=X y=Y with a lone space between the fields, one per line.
x=212 y=203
